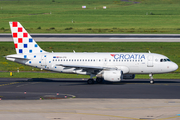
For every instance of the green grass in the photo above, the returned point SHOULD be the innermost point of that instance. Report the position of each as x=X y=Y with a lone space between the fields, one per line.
x=148 y=16
x=170 y=50
x=61 y=75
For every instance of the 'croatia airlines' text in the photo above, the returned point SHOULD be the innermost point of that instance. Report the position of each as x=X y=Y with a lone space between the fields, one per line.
x=129 y=56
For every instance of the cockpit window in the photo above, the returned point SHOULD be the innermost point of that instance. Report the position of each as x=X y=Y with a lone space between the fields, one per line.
x=164 y=60
x=168 y=60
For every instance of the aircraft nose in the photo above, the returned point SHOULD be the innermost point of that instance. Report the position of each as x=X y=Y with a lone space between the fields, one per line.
x=174 y=66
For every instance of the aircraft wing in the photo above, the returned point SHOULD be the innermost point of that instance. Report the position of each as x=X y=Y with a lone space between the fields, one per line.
x=84 y=67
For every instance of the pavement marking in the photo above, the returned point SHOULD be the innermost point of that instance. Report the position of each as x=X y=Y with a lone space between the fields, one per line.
x=10 y=83
x=105 y=115
x=143 y=84
x=167 y=118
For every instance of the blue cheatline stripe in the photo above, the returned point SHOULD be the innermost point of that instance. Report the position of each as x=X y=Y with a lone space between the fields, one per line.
x=178 y=114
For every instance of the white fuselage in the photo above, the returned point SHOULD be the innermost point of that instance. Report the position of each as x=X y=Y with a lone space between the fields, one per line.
x=129 y=63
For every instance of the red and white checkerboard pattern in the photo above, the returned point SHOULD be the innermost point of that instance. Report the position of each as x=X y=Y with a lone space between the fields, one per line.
x=23 y=42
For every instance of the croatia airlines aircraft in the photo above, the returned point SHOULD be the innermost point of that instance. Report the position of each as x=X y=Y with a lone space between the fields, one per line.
x=105 y=66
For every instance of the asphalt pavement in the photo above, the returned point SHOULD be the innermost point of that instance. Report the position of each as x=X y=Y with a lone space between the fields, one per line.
x=36 y=88
x=99 y=37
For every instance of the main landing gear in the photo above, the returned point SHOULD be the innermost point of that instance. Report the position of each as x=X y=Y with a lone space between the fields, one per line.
x=91 y=80
x=98 y=80
x=151 y=78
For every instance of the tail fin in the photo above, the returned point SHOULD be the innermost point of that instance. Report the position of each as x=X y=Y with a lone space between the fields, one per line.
x=23 y=42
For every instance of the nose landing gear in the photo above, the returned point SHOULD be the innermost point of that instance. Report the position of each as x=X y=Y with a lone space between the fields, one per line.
x=151 y=78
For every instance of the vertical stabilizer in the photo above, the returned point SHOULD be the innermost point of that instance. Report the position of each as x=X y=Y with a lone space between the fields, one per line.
x=23 y=42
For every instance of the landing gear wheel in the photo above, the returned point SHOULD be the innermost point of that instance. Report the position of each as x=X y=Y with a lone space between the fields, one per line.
x=151 y=78
x=152 y=81
x=99 y=80
x=90 y=81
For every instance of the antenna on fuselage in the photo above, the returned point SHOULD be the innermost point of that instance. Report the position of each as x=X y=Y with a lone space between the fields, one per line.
x=149 y=51
x=74 y=51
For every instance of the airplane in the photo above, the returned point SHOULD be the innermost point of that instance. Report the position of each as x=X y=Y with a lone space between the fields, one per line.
x=112 y=67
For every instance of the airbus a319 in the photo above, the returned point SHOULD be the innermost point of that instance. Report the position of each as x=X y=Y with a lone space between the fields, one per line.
x=105 y=66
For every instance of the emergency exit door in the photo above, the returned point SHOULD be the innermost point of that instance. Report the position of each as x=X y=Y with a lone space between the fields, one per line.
x=150 y=61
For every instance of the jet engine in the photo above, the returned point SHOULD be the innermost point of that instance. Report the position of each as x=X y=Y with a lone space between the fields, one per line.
x=114 y=75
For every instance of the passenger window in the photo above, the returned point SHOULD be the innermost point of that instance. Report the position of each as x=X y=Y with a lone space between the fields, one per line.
x=161 y=60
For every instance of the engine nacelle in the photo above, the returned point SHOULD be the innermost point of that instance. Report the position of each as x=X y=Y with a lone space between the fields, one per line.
x=114 y=75
x=128 y=76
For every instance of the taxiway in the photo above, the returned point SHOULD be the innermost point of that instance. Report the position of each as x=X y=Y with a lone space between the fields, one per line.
x=34 y=88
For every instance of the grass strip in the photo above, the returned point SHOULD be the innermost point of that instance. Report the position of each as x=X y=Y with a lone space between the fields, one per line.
x=62 y=16
x=62 y=75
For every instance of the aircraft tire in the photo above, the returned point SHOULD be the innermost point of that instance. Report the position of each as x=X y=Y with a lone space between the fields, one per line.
x=152 y=82
x=90 y=81
x=99 y=80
